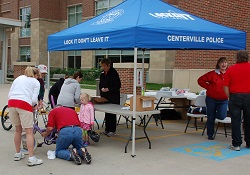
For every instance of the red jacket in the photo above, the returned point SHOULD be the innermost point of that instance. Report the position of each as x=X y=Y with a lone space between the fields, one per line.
x=213 y=83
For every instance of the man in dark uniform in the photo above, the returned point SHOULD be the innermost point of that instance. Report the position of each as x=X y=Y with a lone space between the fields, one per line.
x=109 y=86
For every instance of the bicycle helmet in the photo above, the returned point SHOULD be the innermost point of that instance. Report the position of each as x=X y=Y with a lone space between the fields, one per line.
x=94 y=135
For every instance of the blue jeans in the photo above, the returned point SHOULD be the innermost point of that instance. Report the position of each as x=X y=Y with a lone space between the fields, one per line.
x=238 y=103
x=215 y=109
x=66 y=137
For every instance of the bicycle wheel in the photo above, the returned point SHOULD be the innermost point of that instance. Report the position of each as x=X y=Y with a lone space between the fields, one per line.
x=5 y=119
x=24 y=145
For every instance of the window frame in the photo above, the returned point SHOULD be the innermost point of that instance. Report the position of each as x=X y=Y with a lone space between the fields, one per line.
x=26 y=54
x=25 y=31
x=102 y=6
x=75 y=12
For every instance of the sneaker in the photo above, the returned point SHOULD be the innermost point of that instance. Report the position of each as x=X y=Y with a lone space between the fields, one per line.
x=18 y=156
x=104 y=133
x=236 y=148
x=85 y=154
x=210 y=138
x=34 y=161
x=83 y=142
x=110 y=134
x=86 y=143
x=75 y=156
x=40 y=144
x=24 y=151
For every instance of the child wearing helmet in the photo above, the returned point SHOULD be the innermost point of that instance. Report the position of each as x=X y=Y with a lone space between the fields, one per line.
x=86 y=116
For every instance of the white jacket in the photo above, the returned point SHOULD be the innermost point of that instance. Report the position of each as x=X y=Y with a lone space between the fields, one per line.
x=26 y=89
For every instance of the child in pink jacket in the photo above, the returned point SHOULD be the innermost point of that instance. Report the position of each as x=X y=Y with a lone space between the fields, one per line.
x=86 y=116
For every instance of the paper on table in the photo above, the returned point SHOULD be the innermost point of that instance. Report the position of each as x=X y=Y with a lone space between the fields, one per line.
x=126 y=107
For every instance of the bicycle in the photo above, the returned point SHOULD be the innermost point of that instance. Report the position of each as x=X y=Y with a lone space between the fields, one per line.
x=5 y=119
x=51 y=138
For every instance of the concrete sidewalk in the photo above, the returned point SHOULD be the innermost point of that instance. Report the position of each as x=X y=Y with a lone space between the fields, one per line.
x=173 y=152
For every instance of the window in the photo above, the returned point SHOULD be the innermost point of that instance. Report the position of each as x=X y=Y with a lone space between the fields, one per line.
x=74 y=59
x=25 y=54
x=74 y=17
x=104 y=5
x=25 y=17
x=121 y=56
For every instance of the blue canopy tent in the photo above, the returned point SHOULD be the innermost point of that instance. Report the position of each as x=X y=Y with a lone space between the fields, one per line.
x=146 y=24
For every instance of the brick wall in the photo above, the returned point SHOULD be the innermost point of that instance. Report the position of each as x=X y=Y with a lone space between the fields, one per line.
x=24 y=41
x=19 y=67
x=127 y=80
x=88 y=8
x=9 y=9
x=23 y=3
x=47 y=9
x=19 y=70
x=231 y=13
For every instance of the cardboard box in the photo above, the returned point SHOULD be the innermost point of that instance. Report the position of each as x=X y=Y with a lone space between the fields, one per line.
x=143 y=103
x=98 y=100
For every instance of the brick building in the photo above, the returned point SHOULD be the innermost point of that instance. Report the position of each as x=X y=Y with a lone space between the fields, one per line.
x=44 y=17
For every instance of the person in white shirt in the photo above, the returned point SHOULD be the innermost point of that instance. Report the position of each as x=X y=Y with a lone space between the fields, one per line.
x=22 y=99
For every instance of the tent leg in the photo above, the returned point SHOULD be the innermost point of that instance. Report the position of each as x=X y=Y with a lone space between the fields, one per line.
x=48 y=74
x=134 y=104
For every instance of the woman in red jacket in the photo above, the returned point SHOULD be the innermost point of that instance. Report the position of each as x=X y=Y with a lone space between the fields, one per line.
x=216 y=99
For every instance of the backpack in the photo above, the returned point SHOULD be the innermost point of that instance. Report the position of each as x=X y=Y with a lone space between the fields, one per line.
x=197 y=110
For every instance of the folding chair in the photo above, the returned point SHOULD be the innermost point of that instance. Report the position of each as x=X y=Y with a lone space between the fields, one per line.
x=199 y=102
x=227 y=120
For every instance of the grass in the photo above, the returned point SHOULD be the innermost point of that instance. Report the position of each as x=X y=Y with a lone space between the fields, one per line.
x=88 y=84
x=150 y=86
x=155 y=86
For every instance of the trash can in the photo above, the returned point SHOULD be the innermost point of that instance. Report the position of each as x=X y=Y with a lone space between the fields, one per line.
x=97 y=87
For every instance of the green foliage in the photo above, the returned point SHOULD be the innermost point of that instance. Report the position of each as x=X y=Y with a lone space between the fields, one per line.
x=88 y=74
x=91 y=74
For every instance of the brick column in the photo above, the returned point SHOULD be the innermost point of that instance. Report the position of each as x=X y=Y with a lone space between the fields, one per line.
x=126 y=73
x=19 y=67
